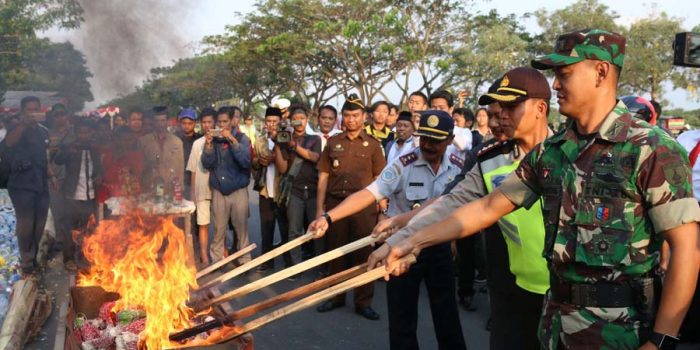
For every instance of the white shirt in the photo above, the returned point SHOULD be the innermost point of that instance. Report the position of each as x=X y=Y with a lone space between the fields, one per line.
x=202 y=191
x=270 y=173
x=323 y=136
x=397 y=151
x=463 y=139
x=689 y=140
x=85 y=190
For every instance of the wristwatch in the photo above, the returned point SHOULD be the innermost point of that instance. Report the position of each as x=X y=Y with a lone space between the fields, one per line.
x=328 y=218
x=663 y=341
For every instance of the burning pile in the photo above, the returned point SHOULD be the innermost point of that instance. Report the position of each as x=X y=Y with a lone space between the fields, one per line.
x=143 y=259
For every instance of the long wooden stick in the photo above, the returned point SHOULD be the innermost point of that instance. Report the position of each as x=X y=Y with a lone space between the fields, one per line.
x=276 y=277
x=316 y=298
x=209 y=269
x=261 y=259
x=269 y=303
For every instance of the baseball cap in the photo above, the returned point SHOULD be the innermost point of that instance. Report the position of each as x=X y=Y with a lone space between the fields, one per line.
x=586 y=44
x=188 y=113
x=435 y=124
x=517 y=85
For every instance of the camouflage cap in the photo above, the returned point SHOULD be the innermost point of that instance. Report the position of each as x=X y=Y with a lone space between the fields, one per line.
x=587 y=44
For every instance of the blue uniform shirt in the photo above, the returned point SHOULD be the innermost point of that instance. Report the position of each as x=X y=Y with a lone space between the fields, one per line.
x=409 y=181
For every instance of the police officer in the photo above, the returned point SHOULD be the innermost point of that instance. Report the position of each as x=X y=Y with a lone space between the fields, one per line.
x=350 y=162
x=612 y=187
x=517 y=273
x=409 y=182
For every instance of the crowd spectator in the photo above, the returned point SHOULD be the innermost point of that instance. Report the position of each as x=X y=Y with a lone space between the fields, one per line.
x=327 y=118
x=377 y=126
x=228 y=158
x=123 y=165
x=404 y=141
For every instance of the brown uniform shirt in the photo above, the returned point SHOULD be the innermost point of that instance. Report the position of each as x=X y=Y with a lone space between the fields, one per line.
x=351 y=164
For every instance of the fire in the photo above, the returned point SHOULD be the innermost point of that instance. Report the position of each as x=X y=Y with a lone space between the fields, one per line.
x=143 y=258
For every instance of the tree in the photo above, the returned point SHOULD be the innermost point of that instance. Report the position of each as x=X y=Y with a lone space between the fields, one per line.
x=19 y=22
x=491 y=46
x=580 y=15
x=649 y=55
x=54 y=67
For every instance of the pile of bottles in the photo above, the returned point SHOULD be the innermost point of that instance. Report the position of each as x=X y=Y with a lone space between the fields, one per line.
x=9 y=252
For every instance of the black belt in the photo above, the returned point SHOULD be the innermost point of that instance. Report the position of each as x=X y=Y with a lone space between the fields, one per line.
x=602 y=294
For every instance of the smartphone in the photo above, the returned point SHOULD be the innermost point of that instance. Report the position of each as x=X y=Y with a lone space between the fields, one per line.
x=216 y=132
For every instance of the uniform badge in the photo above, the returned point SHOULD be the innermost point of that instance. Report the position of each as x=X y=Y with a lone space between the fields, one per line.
x=336 y=163
x=338 y=147
x=390 y=174
x=365 y=143
x=433 y=121
x=415 y=206
x=505 y=81
x=602 y=213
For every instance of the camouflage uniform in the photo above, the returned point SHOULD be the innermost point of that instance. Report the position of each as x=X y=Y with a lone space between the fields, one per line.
x=606 y=201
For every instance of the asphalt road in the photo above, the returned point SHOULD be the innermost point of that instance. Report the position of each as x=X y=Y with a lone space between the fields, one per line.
x=307 y=329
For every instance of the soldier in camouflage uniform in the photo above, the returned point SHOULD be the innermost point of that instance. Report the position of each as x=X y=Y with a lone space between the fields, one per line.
x=613 y=188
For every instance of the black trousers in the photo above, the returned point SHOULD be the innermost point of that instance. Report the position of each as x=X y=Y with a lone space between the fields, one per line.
x=78 y=216
x=271 y=213
x=515 y=315
x=31 y=210
x=434 y=266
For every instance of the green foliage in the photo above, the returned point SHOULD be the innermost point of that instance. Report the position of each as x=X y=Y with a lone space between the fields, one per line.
x=54 y=67
x=649 y=55
x=19 y=22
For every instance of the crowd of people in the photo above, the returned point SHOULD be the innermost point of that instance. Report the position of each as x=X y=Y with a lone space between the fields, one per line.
x=573 y=217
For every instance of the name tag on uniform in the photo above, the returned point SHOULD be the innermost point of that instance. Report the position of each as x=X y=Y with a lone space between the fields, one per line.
x=415 y=184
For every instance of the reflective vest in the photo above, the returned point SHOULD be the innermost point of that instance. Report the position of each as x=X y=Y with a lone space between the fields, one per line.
x=523 y=230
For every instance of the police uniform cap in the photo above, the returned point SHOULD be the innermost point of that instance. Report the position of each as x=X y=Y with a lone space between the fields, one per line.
x=517 y=85
x=435 y=124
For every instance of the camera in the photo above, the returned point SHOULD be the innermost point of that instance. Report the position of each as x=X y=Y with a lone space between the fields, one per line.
x=284 y=132
x=686 y=50
x=216 y=132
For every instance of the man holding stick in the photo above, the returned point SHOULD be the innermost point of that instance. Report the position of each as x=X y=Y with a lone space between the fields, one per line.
x=409 y=182
x=613 y=188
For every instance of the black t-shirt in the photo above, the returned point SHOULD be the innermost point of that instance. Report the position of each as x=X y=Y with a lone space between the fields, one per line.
x=307 y=179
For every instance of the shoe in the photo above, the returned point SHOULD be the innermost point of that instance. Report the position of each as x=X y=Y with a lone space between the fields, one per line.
x=480 y=278
x=368 y=313
x=467 y=302
x=70 y=266
x=328 y=306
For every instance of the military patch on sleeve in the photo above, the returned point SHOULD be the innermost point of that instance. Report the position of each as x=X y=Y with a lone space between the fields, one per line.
x=408 y=158
x=676 y=174
x=390 y=174
x=456 y=160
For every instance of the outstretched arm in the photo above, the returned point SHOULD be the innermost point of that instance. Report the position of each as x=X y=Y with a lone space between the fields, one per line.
x=461 y=223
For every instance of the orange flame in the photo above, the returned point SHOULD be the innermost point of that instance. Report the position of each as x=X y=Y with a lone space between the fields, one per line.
x=143 y=258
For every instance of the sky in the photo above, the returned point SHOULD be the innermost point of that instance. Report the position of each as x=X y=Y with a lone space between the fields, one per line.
x=209 y=17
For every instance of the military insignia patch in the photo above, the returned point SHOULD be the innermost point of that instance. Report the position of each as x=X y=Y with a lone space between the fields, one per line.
x=390 y=174
x=675 y=174
x=454 y=159
x=338 y=147
x=433 y=121
x=336 y=163
x=408 y=158
x=602 y=213
x=365 y=143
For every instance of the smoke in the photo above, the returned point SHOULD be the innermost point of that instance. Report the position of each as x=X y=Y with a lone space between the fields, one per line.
x=124 y=39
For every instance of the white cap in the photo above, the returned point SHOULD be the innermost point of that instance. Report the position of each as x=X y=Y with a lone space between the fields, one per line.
x=282 y=103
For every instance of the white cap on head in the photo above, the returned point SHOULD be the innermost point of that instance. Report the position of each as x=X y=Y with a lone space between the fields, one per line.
x=282 y=103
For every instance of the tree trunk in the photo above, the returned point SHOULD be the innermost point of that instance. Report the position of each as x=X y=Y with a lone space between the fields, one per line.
x=29 y=309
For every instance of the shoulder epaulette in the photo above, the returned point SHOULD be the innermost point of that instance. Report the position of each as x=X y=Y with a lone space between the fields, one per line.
x=494 y=148
x=456 y=160
x=408 y=158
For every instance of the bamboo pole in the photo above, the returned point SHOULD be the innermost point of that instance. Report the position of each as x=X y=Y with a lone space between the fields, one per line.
x=269 y=303
x=276 y=277
x=213 y=267
x=260 y=260
x=316 y=298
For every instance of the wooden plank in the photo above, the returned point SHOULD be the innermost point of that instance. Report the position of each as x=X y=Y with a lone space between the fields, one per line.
x=213 y=267
x=276 y=277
